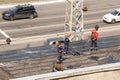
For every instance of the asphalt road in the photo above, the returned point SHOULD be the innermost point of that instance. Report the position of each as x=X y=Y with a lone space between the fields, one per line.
x=51 y=21
x=54 y=14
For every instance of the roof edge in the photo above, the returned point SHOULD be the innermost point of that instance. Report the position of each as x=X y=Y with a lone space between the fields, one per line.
x=73 y=72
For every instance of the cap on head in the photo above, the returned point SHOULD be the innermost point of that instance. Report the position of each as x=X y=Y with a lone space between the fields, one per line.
x=96 y=27
x=57 y=43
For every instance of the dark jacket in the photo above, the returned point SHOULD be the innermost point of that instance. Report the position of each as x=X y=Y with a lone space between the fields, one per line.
x=66 y=41
x=59 y=49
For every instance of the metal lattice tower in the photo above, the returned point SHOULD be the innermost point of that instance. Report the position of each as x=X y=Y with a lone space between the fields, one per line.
x=74 y=19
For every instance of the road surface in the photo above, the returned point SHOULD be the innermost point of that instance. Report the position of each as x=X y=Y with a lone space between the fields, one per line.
x=25 y=56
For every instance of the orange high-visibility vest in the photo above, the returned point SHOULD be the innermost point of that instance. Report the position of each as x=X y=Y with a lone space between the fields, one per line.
x=94 y=35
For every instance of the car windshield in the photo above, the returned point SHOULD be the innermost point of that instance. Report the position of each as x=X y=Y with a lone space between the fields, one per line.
x=13 y=9
x=115 y=12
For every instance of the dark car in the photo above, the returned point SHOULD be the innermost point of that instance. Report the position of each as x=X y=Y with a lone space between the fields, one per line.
x=20 y=11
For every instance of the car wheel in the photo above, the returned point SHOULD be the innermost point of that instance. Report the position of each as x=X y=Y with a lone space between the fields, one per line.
x=11 y=18
x=31 y=16
x=35 y=14
x=113 y=21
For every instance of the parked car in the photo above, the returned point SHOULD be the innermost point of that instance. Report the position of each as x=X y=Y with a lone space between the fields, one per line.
x=20 y=11
x=112 y=17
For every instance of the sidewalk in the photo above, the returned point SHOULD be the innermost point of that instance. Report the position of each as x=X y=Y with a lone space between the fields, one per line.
x=42 y=2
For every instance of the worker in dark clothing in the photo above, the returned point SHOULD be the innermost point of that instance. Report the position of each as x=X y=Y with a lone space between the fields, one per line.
x=59 y=50
x=93 y=38
x=66 y=43
x=57 y=66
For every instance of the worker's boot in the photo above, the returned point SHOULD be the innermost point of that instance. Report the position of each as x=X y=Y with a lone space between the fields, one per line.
x=91 y=49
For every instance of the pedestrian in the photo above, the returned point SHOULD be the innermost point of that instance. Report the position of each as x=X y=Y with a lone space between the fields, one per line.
x=59 y=50
x=57 y=66
x=93 y=38
x=66 y=43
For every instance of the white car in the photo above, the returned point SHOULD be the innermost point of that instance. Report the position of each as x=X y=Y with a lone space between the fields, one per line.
x=112 y=17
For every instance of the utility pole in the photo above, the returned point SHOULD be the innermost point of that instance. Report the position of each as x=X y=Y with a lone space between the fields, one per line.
x=74 y=19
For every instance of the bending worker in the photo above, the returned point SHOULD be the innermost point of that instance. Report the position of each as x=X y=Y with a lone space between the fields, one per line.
x=58 y=66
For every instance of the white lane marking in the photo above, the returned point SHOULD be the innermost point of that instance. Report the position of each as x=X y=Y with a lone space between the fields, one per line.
x=44 y=37
x=33 y=28
x=34 y=3
x=51 y=17
x=56 y=25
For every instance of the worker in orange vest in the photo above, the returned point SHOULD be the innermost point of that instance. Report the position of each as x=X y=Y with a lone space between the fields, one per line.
x=93 y=38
